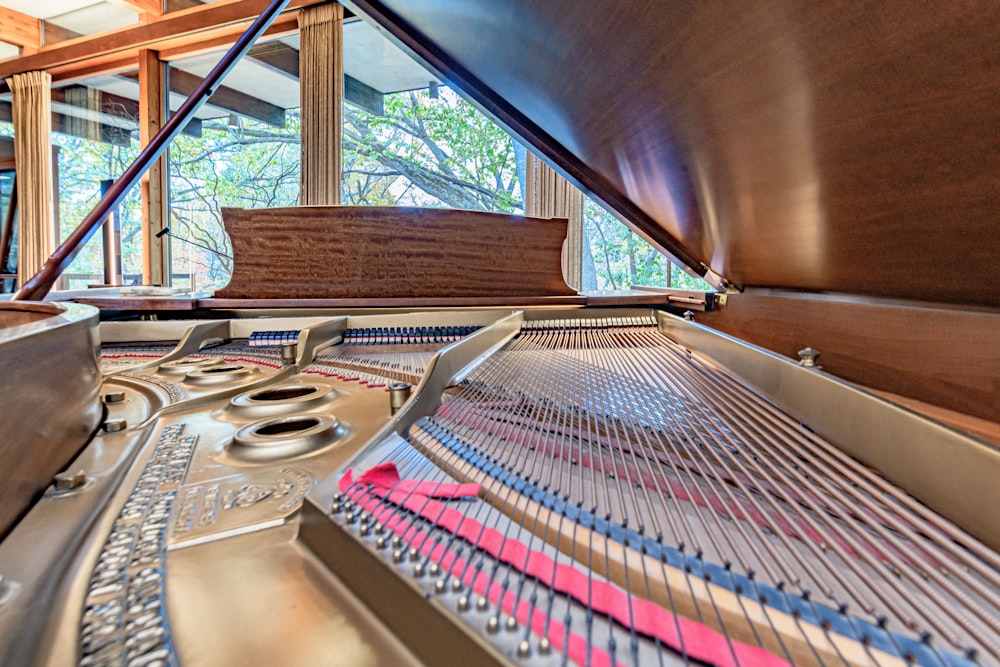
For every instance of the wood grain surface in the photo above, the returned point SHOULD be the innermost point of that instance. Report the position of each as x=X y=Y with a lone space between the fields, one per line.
x=947 y=357
x=389 y=252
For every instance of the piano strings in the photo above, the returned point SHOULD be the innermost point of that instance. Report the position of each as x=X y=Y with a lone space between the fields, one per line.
x=609 y=449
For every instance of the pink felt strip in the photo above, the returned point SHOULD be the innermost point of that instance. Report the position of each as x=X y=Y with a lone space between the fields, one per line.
x=386 y=476
x=481 y=583
x=697 y=640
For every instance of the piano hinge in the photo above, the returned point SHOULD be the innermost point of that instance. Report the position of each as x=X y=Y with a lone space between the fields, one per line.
x=719 y=282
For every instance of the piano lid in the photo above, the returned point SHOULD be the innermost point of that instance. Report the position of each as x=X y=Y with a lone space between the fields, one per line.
x=841 y=146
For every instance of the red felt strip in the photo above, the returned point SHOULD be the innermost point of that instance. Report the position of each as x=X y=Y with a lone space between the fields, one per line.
x=698 y=641
x=576 y=646
x=386 y=476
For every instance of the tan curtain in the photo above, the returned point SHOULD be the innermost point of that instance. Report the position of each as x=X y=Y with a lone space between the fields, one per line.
x=37 y=234
x=321 y=91
x=549 y=195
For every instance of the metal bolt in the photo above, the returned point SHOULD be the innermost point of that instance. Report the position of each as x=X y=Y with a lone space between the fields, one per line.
x=396 y=541
x=288 y=352
x=414 y=554
x=544 y=646
x=463 y=603
x=380 y=542
x=523 y=648
x=434 y=569
x=397 y=556
x=364 y=517
x=337 y=497
x=493 y=624
x=439 y=586
x=482 y=604
x=114 y=397
x=114 y=425
x=67 y=481
x=379 y=529
x=456 y=584
x=350 y=518
x=418 y=570
x=511 y=624
x=335 y=508
x=364 y=530
x=808 y=357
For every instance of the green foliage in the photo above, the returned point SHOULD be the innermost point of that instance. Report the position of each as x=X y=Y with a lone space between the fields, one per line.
x=428 y=152
x=246 y=164
x=622 y=258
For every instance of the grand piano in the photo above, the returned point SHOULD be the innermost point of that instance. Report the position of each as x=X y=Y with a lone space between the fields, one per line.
x=394 y=444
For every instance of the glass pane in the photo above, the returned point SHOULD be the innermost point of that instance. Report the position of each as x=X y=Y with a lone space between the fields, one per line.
x=242 y=150
x=95 y=137
x=621 y=258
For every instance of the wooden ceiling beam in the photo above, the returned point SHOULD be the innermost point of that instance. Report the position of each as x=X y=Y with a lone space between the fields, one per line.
x=184 y=83
x=233 y=101
x=184 y=28
x=20 y=29
x=147 y=8
x=277 y=56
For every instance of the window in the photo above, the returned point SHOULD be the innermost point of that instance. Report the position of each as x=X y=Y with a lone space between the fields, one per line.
x=621 y=258
x=243 y=151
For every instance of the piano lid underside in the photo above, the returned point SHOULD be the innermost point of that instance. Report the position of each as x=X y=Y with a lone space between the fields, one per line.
x=838 y=147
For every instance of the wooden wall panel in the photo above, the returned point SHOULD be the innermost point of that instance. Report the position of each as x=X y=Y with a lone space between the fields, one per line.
x=376 y=252
x=949 y=358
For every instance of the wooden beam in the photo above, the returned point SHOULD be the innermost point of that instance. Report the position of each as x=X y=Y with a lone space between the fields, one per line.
x=20 y=29
x=187 y=27
x=364 y=96
x=152 y=116
x=277 y=56
x=283 y=59
x=222 y=38
x=183 y=83
x=52 y=33
x=149 y=8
